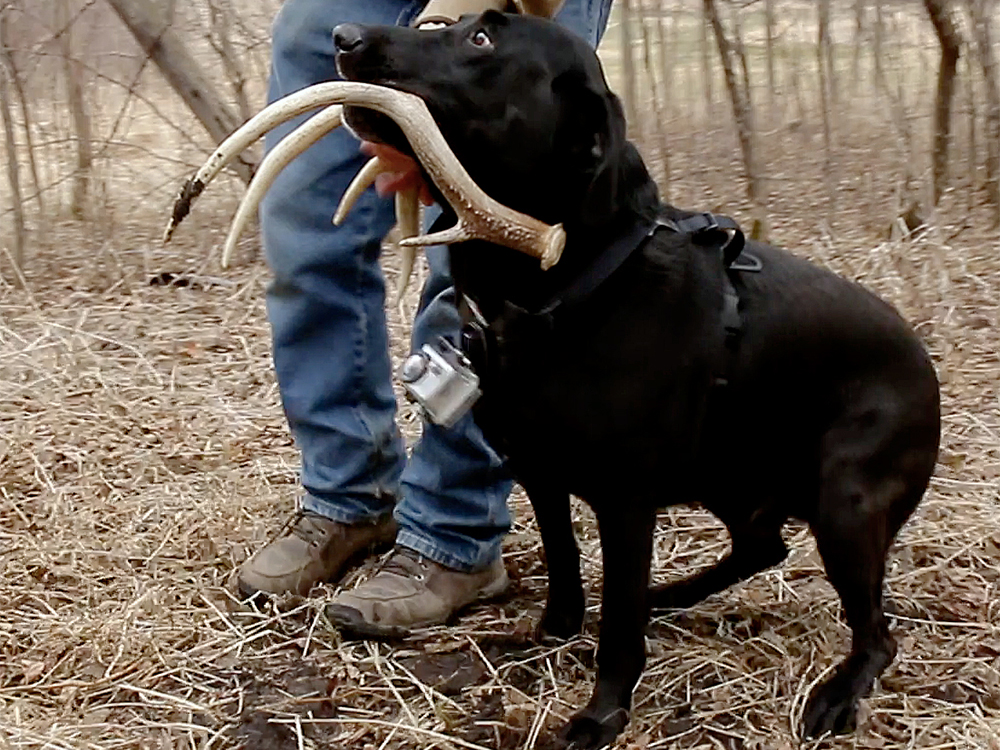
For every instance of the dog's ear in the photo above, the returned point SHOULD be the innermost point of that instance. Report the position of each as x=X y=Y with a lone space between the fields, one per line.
x=591 y=139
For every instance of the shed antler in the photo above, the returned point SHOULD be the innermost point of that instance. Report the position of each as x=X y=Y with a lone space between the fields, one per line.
x=479 y=216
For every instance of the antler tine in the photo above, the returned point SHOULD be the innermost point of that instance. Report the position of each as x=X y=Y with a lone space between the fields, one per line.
x=276 y=160
x=408 y=222
x=407 y=218
x=361 y=182
x=286 y=108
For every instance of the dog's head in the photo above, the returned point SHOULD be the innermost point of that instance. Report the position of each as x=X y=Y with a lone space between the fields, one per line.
x=522 y=102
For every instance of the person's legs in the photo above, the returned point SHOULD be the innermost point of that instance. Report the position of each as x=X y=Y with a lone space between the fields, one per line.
x=452 y=515
x=326 y=308
x=326 y=302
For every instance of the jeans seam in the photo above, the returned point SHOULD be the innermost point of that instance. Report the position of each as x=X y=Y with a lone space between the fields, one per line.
x=378 y=441
x=364 y=322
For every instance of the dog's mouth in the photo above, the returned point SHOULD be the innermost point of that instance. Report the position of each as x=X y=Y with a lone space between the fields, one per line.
x=367 y=124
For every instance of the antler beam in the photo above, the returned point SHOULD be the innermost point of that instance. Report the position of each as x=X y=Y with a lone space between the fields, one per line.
x=479 y=216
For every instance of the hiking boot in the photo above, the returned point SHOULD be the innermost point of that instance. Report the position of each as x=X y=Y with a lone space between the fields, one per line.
x=311 y=549
x=410 y=591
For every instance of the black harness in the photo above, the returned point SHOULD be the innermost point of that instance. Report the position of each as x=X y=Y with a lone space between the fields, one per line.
x=718 y=234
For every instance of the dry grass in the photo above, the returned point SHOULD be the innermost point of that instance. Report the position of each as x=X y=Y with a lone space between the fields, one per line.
x=143 y=455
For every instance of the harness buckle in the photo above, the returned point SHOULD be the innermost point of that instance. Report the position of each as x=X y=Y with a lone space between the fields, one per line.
x=663 y=223
x=711 y=222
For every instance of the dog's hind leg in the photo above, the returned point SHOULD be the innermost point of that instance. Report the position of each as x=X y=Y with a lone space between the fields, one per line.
x=564 y=607
x=756 y=545
x=626 y=545
x=856 y=522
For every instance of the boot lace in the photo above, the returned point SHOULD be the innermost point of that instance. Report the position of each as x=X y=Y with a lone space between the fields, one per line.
x=304 y=524
x=406 y=563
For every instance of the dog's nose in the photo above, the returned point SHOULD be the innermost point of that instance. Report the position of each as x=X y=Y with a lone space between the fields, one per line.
x=347 y=37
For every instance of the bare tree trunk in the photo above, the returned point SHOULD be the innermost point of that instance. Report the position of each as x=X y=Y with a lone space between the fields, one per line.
x=823 y=57
x=628 y=66
x=659 y=115
x=951 y=48
x=706 y=68
x=743 y=115
x=221 y=13
x=981 y=24
x=772 y=81
x=907 y=203
x=78 y=111
x=10 y=144
x=877 y=42
x=859 y=40
x=666 y=63
x=795 y=81
x=150 y=24
x=831 y=60
x=973 y=145
x=741 y=54
x=14 y=74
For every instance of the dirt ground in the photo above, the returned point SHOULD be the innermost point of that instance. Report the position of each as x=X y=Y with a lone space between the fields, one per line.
x=143 y=456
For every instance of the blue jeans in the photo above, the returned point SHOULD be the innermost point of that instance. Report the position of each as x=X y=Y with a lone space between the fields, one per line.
x=326 y=306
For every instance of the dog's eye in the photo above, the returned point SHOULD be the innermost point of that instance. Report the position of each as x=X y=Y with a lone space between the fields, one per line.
x=482 y=39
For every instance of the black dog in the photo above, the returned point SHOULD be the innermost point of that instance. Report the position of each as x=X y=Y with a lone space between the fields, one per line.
x=628 y=381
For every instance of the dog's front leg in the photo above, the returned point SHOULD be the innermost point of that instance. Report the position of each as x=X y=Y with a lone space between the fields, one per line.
x=627 y=546
x=563 y=614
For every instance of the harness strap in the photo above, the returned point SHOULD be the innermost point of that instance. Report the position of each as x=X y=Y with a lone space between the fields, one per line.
x=724 y=233
x=707 y=229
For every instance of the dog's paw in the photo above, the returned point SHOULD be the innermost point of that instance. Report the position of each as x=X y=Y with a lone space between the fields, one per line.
x=587 y=731
x=831 y=708
x=563 y=616
x=559 y=624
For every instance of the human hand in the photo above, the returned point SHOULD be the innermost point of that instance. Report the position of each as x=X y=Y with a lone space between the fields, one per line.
x=403 y=172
